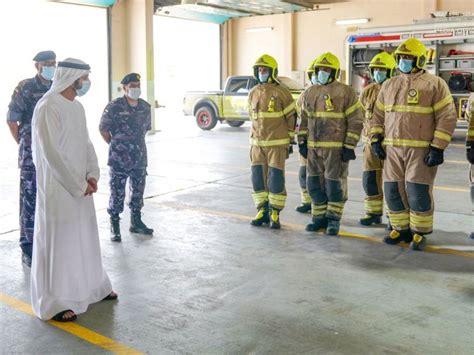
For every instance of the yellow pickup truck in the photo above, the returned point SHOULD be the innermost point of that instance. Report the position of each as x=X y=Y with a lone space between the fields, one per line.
x=229 y=105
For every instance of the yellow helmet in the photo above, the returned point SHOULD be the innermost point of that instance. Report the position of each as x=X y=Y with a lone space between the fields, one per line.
x=269 y=62
x=328 y=60
x=383 y=60
x=310 y=69
x=414 y=47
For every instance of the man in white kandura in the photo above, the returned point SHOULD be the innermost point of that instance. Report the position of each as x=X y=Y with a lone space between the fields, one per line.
x=67 y=273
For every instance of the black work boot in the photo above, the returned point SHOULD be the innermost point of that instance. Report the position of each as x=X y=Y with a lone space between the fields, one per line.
x=115 y=229
x=137 y=226
x=418 y=243
x=333 y=226
x=396 y=237
x=370 y=219
x=275 y=219
x=26 y=259
x=318 y=223
x=303 y=208
x=262 y=217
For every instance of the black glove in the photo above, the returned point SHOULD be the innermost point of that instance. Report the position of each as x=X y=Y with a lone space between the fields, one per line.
x=434 y=157
x=377 y=148
x=470 y=152
x=303 y=149
x=348 y=154
x=290 y=149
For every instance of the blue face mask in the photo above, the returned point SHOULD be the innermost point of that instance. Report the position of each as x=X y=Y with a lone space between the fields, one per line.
x=323 y=77
x=405 y=65
x=380 y=76
x=263 y=78
x=48 y=72
x=86 y=84
x=314 y=79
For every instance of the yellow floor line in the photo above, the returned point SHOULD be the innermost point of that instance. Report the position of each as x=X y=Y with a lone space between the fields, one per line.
x=457 y=145
x=73 y=328
x=300 y=228
x=461 y=162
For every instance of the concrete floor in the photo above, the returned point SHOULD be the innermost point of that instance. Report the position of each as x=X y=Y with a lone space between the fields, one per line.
x=207 y=282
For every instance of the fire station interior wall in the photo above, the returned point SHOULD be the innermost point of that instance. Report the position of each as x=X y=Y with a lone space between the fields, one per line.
x=69 y=30
x=298 y=38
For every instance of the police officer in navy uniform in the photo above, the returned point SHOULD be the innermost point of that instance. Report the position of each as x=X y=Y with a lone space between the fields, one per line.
x=123 y=126
x=20 y=112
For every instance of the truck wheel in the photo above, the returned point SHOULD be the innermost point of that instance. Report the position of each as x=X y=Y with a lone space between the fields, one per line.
x=206 y=118
x=235 y=123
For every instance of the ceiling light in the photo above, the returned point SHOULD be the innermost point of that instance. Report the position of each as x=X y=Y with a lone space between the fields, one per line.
x=356 y=21
x=259 y=29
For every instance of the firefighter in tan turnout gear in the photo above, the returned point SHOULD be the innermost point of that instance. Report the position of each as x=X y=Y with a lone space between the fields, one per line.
x=305 y=205
x=414 y=119
x=382 y=67
x=470 y=149
x=331 y=113
x=273 y=116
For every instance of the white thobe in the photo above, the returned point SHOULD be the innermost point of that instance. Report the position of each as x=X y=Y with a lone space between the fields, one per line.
x=67 y=270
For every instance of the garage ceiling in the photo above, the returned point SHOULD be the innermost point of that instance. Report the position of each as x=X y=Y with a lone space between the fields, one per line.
x=219 y=11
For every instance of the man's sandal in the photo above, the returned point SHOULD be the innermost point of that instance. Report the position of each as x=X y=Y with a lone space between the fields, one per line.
x=111 y=297
x=60 y=316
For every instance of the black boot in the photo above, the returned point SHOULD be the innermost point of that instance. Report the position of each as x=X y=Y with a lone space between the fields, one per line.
x=303 y=208
x=115 y=229
x=275 y=219
x=262 y=217
x=137 y=226
x=418 y=243
x=370 y=219
x=26 y=259
x=318 y=223
x=396 y=237
x=333 y=226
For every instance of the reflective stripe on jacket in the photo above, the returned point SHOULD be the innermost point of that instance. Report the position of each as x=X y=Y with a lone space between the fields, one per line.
x=414 y=110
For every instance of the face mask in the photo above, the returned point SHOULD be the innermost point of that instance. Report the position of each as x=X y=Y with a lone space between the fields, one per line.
x=48 y=72
x=134 y=93
x=263 y=78
x=405 y=65
x=86 y=84
x=314 y=79
x=380 y=76
x=323 y=77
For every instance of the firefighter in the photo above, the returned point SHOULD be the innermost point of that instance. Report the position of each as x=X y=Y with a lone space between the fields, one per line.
x=470 y=148
x=273 y=116
x=414 y=119
x=305 y=205
x=382 y=67
x=330 y=111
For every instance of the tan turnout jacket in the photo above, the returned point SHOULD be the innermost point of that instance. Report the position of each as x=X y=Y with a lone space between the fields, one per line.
x=414 y=110
x=367 y=101
x=330 y=116
x=273 y=116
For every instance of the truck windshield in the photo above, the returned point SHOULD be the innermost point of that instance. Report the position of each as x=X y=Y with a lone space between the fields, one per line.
x=290 y=83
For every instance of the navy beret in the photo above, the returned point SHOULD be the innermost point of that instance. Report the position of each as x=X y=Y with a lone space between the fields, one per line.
x=44 y=55
x=130 y=77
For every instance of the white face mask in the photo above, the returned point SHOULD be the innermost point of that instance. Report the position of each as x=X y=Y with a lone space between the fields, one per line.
x=134 y=93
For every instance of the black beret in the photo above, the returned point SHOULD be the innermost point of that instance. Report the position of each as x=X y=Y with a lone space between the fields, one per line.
x=44 y=55
x=130 y=77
